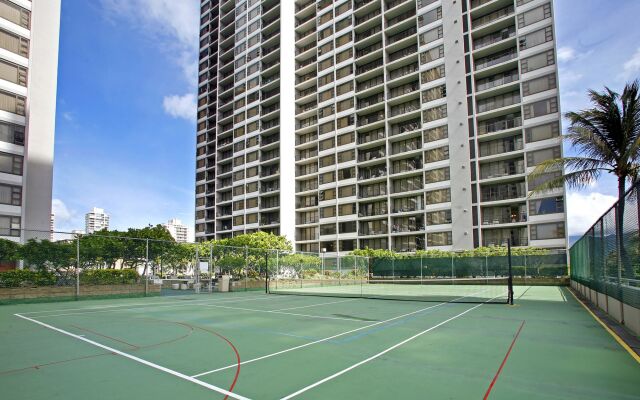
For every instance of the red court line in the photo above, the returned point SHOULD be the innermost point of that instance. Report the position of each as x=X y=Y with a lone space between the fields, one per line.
x=504 y=361
x=235 y=350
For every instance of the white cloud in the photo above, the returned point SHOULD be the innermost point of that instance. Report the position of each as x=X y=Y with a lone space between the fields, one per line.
x=68 y=116
x=174 y=25
x=60 y=210
x=181 y=106
x=566 y=54
x=584 y=209
x=632 y=66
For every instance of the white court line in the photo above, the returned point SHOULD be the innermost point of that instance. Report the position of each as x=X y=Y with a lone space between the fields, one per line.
x=344 y=371
x=102 y=308
x=313 y=305
x=137 y=359
x=180 y=304
x=281 y=312
x=325 y=339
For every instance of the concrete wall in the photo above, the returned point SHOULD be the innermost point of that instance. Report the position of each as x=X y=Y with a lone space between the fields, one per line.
x=41 y=112
x=52 y=292
x=624 y=314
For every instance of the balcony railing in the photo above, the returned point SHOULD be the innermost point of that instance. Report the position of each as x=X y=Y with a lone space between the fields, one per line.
x=494 y=16
x=497 y=80
x=495 y=59
x=494 y=125
x=495 y=37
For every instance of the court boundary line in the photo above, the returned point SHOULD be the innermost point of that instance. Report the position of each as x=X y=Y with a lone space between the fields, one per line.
x=504 y=362
x=177 y=304
x=617 y=338
x=314 y=305
x=103 y=307
x=280 y=312
x=137 y=359
x=395 y=346
x=329 y=337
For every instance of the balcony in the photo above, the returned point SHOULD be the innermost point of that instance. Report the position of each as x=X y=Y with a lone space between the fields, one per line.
x=371 y=136
x=493 y=16
x=499 y=124
x=367 y=17
x=497 y=80
x=504 y=215
x=371 y=118
x=402 y=35
x=405 y=127
x=396 y=55
x=404 y=108
x=495 y=37
x=402 y=71
x=370 y=155
x=501 y=146
x=377 y=171
x=495 y=59
x=499 y=192
x=368 y=84
x=371 y=100
x=404 y=89
x=500 y=101
x=501 y=169
x=396 y=20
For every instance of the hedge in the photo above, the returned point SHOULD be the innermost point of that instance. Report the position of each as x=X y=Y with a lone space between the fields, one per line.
x=29 y=278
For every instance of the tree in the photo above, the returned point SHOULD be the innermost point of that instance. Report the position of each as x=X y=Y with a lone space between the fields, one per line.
x=607 y=139
x=9 y=250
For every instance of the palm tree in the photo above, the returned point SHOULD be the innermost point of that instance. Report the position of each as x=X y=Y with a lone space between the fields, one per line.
x=607 y=139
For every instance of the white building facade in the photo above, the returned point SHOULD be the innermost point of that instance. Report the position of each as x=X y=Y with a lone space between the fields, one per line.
x=177 y=230
x=96 y=220
x=29 y=35
x=402 y=124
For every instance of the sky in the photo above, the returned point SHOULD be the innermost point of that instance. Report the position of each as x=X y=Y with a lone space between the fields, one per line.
x=125 y=124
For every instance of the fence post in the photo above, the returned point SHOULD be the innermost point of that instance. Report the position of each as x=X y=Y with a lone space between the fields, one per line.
x=78 y=267
x=246 y=267
x=452 y=272
x=421 y=273
x=525 y=270
x=146 y=270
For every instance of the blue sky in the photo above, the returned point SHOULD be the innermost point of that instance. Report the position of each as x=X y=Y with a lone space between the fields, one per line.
x=125 y=130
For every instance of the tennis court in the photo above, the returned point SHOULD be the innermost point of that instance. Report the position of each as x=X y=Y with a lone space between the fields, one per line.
x=258 y=346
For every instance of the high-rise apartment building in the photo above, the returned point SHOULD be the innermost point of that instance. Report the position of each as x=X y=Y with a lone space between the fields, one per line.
x=177 y=230
x=96 y=220
x=29 y=32
x=401 y=124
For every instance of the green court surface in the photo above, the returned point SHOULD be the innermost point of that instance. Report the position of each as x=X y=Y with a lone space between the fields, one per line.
x=261 y=346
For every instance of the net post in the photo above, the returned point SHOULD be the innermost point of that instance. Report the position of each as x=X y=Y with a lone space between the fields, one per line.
x=78 y=267
x=525 y=269
x=510 y=278
x=266 y=271
x=146 y=270
x=210 y=267
x=277 y=267
x=453 y=282
x=421 y=273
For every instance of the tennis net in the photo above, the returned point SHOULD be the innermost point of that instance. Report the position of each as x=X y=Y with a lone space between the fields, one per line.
x=457 y=290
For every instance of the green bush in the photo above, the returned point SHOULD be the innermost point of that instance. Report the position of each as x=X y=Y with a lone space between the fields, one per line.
x=26 y=278
x=109 y=276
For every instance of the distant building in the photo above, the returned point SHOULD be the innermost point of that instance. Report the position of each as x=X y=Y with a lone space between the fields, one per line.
x=52 y=226
x=179 y=231
x=78 y=232
x=96 y=220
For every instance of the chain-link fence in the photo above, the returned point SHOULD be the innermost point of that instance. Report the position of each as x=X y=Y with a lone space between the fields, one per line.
x=548 y=267
x=607 y=258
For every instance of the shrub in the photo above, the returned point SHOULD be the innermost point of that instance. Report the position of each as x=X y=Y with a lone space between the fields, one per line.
x=26 y=278
x=109 y=276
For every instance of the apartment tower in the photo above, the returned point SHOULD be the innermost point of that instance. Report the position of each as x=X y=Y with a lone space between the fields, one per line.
x=96 y=220
x=29 y=32
x=402 y=124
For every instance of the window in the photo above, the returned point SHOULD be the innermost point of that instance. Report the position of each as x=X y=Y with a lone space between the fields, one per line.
x=344 y=56
x=11 y=164
x=327 y=177
x=438 y=196
x=435 y=93
x=12 y=103
x=549 y=205
x=327 y=194
x=346 y=209
x=14 y=43
x=348 y=227
x=439 y=217
x=536 y=38
x=11 y=133
x=342 y=40
x=324 y=64
x=327 y=161
x=407 y=184
x=437 y=154
x=535 y=15
x=432 y=54
x=252 y=218
x=327 y=229
x=14 y=13
x=542 y=132
x=327 y=144
x=252 y=187
x=539 y=156
x=434 y=113
x=432 y=74
x=326 y=128
x=430 y=17
x=377 y=227
x=9 y=226
x=439 y=239
x=347 y=138
x=325 y=79
x=540 y=108
x=345 y=105
x=438 y=133
x=11 y=195
x=547 y=231
x=538 y=85
x=347 y=191
x=344 y=71
x=325 y=48
x=347 y=173
x=12 y=72
x=437 y=175
x=344 y=88
x=431 y=36
x=328 y=212
x=326 y=95
x=538 y=61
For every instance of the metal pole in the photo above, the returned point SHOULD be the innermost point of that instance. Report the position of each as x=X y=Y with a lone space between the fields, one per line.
x=266 y=271
x=210 y=267
x=146 y=270
x=421 y=272
x=77 y=267
x=322 y=275
x=246 y=266
x=277 y=267
x=510 y=279
x=452 y=281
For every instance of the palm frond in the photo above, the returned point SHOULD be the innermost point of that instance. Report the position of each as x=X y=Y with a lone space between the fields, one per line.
x=576 y=179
